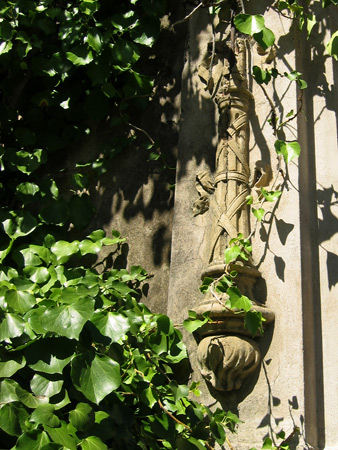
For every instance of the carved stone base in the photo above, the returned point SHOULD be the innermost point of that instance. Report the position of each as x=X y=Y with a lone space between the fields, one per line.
x=225 y=361
x=227 y=353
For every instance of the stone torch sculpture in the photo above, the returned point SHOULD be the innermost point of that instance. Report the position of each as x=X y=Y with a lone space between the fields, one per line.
x=227 y=353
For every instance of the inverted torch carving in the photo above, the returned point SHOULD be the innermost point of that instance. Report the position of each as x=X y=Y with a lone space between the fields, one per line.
x=226 y=352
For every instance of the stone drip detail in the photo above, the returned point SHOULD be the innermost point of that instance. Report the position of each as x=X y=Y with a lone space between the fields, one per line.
x=227 y=354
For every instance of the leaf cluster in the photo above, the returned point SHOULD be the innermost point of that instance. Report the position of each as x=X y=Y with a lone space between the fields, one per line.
x=83 y=363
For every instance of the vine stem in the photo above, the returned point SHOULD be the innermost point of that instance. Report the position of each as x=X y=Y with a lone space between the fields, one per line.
x=272 y=107
x=157 y=367
x=173 y=417
x=300 y=107
x=293 y=433
x=187 y=17
x=229 y=443
x=254 y=229
x=129 y=123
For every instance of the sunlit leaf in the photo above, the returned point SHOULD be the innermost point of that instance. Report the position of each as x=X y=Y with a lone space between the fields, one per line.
x=270 y=196
x=238 y=301
x=231 y=253
x=42 y=386
x=111 y=325
x=289 y=150
x=68 y=320
x=95 y=376
x=10 y=364
x=265 y=38
x=44 y=414
x=332 y=46
x=93 y=443
x=95 y=40
x=249 y=24
x=258 y=213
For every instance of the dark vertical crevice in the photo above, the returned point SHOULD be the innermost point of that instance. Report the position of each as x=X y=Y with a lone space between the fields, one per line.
x=310 y=277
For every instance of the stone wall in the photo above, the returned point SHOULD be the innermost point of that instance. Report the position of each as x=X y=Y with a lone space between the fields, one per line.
x=295 y=250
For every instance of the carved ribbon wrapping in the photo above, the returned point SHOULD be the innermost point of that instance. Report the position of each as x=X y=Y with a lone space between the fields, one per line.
x=226 y=354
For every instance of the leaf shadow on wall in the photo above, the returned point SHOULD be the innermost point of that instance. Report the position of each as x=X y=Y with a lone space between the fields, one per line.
x=275 y=422
x=327 y=227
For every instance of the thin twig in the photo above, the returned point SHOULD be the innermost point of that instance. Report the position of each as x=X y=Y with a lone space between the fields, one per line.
x=212 y=55
x=187 y=17
x=300 y=107
x=132 y=125
x=208 y=445
x=195 y=9
x=157 y=367
x=293 y=433
x=263 y=199
x=173 y=417
x=281 y=13
x=229 y=443
x=273 y=109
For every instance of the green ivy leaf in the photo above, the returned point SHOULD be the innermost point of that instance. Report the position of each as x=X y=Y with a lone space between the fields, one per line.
x=232 y=253
x=238 y=301
x=270 y=196
x=19 y=224
x=38 y=275
x=12 y=326
x=95 y=40
x=68 y=320
x=95 y=376
x=289 y=150
x=27 y=162
x=61 y=435
x=97 y=235
x=258 y=213
x=179 y=390
x=93 y=443
x=8 y=391
x=89 y=247
x=218 y=432
x=44 y=414
x=63 y=250
x=10 y=364
x=82 y=57
x=268 y=444
x=149 y=397
x=206 y=284
x=45 y=386
x=253 y=322
x=50 y=355
x=249 y=24
x=19 y=301
x=261 y=75
x=12 y=418
x=111 y=325
x=265 y=38
x=332 y=46
x=82 y=417
x=32 y=440
x=27 y=190
x=193 y=325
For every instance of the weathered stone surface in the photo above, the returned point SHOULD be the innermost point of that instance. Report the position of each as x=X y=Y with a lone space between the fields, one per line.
x=226 y=361
x=264 y=395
